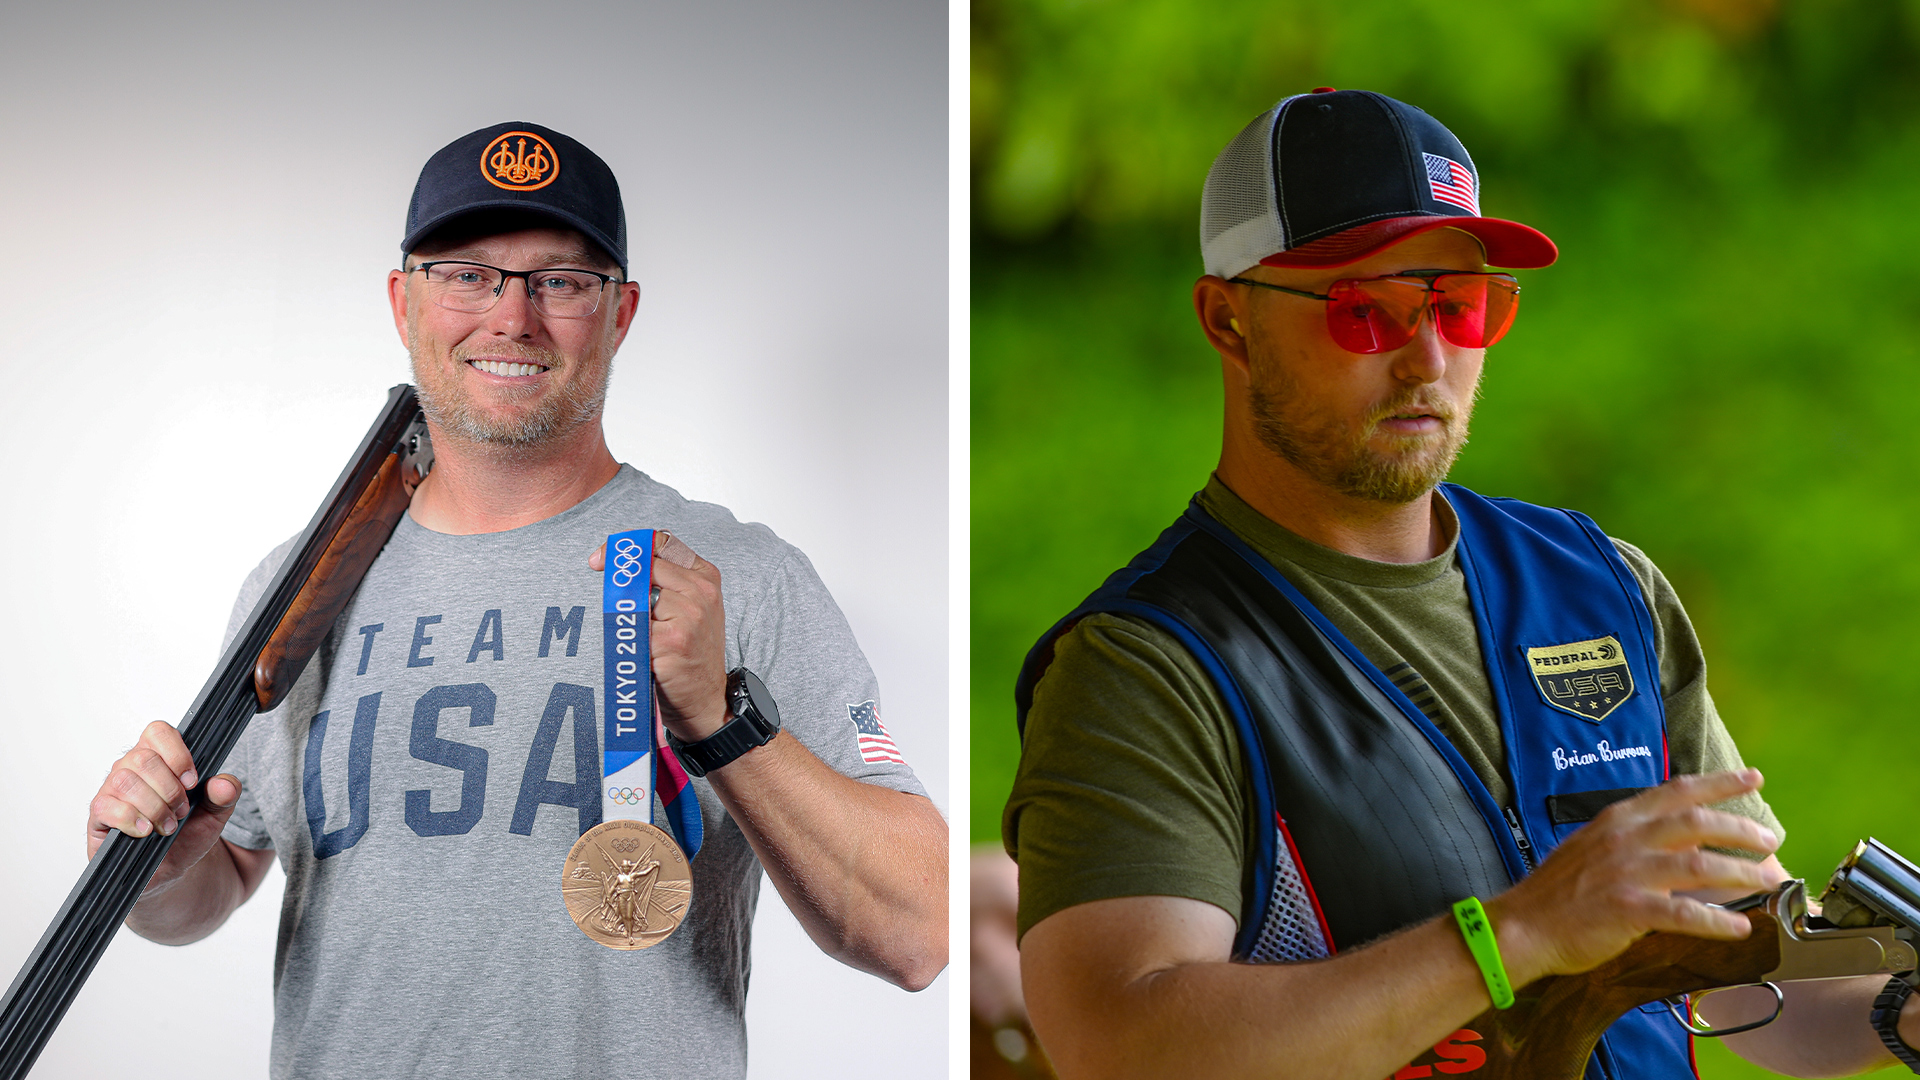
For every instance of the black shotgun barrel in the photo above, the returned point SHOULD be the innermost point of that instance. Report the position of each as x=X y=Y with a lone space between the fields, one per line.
x=120 y=869
x=1877 y=879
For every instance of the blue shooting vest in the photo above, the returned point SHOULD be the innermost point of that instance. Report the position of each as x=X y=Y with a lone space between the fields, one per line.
x=1377 y=821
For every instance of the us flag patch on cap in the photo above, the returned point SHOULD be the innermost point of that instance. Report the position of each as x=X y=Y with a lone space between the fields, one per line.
x=1450 y=182
x=875 y=744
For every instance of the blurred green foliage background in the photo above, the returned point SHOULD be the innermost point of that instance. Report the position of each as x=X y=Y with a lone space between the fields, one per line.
x=1721 y=368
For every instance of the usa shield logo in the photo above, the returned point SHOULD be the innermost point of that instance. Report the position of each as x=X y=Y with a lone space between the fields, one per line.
x=1589 y=679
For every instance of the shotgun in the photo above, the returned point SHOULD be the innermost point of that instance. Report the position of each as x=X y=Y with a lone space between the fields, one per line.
x=1867 y=926
x=261 y=664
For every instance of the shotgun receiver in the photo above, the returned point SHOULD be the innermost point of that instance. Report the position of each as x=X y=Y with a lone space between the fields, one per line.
x=1870 y=912
x=261 y=664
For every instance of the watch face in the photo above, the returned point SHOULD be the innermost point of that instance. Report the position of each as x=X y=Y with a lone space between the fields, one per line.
x=765 y=714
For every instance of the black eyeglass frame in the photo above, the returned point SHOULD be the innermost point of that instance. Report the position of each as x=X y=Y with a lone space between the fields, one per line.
x=525 y=275
x=1428 y=276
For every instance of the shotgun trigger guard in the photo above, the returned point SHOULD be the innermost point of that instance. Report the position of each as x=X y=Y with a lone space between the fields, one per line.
x=1700 y=1031
x=416 y=452
x=1811 y=947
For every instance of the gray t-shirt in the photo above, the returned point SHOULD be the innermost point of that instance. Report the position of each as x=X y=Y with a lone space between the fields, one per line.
x=419 y=785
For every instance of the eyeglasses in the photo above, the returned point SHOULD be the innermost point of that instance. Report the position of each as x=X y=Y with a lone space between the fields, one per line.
x=476 y=287
x=1376 y=315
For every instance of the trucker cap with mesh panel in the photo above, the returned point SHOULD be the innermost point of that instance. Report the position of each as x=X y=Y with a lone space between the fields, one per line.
x=1328 y=178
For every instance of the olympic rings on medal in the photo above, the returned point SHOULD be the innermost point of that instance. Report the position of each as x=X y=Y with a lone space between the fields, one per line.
x=626 y=562
x=625 y=796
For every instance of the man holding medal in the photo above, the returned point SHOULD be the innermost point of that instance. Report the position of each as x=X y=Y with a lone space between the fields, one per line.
x=494 y=867
x=1346 y=754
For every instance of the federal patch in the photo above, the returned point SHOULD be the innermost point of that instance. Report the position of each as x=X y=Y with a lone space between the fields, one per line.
x=519 y=161
x=1589 y=679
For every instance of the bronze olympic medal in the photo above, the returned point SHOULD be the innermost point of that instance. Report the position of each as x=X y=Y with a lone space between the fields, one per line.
x=626 y=884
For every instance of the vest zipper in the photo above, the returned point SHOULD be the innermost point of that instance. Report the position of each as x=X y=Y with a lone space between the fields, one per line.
x=1519 y=837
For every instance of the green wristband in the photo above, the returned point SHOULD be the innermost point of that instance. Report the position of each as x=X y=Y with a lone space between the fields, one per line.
x=1486 y=951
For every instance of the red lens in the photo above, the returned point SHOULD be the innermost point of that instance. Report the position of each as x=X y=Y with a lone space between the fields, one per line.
x=1474 y=310
x=1374 y=315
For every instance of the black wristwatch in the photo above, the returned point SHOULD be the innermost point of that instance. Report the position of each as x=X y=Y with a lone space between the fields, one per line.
x=756 y=719
x=1886 y=1021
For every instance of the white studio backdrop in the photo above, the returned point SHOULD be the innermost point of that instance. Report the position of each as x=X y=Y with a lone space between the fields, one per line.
x=197 y=210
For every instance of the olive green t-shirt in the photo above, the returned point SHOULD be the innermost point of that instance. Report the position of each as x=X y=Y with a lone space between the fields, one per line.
x=1132 y=781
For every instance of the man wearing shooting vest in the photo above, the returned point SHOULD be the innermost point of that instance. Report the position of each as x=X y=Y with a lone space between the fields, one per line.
x=478 y=882
x=1348 y=753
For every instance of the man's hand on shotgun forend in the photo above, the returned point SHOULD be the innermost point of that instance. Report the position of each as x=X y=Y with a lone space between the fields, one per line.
x=146 y=792
x=1621 y=876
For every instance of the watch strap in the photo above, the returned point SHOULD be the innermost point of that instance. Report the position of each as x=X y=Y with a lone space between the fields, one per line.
x=1886 y=1021
x=734 y=738
x=745 y=731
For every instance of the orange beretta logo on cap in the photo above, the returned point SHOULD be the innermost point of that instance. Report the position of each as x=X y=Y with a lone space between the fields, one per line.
x=519 y=161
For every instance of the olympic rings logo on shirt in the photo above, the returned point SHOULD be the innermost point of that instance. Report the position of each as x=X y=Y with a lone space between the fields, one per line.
x=625 y=796
x=626 y=562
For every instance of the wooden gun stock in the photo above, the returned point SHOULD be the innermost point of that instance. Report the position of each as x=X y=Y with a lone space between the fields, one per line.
x=332 y=584
x=255 y=672
x=1555 y=1022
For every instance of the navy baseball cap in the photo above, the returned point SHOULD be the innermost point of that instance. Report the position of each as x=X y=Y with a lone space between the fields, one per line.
x=1328 y=178
x=520 y=167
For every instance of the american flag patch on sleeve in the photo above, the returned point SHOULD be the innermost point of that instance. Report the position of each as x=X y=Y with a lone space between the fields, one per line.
x=1450 y=182
x=875 y=744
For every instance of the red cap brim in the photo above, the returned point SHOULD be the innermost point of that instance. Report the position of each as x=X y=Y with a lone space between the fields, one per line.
x=1508 y=243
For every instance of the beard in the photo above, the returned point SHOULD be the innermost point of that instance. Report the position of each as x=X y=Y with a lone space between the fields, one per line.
x=1345 y=459
x=576 y=402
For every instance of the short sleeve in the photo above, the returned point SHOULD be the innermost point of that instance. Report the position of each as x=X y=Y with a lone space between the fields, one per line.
x=794 y=636
x=247 y=827
x=1697 y=739
x=1131 y=780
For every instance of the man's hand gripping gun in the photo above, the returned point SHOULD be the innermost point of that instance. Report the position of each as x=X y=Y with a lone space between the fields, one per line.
x=261 y=664
x=1869 y=920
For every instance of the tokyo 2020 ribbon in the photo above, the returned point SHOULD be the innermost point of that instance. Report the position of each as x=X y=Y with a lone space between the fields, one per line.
x=626 y=883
